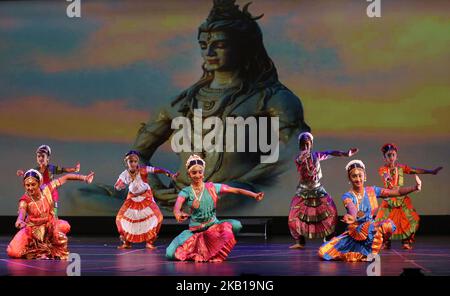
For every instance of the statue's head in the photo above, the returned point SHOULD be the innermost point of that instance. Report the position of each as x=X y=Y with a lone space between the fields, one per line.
x=231 y=39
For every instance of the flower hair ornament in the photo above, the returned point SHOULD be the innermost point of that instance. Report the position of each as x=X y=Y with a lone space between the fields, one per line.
x=44 y=149
x=194 y=160
x=305 y=134
x=33 y=174
x=355 y=164
x=387 y=147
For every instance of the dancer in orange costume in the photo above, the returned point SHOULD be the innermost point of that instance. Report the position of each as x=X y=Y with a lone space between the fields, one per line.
x=139 y=219
x=399 y=209
x=41 y=234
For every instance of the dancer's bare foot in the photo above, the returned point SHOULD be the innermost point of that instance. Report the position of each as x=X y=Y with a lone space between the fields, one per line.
x=43 y=257
x=216 y=260
x=150 y=246
x=297 y=246
x=124 y=246
x=407 y=246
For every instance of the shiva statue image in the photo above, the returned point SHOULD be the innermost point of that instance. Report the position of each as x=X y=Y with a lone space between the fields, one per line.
x=239 y=80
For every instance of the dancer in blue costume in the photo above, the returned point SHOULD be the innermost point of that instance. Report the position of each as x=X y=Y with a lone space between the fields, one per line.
x=364 y=236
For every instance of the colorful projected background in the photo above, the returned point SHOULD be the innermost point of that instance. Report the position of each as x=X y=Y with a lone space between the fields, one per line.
x=83 y=86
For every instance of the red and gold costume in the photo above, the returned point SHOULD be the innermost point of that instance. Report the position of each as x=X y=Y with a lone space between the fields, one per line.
x=44 y=236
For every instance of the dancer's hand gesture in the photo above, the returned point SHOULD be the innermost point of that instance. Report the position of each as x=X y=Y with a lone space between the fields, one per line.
x=418 y=183
x=90 y=178
x=20 y=224
x=349 y=219
x=436 y=170
x=352 y=152
x=174 y=176
x=181 y=217
x=259 y=196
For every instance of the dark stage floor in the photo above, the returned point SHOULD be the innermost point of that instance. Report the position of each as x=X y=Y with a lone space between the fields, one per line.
x=251 y=256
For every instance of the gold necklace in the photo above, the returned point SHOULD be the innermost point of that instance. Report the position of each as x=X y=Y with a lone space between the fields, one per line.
x=197 y=199
x=37 y=206
x=394 y=175
x=133 y=175
x=359 y=198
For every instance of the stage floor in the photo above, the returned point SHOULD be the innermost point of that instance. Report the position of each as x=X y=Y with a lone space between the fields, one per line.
x=251 y=256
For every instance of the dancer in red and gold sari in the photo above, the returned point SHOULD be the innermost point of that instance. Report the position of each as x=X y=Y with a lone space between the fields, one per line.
x=208 y=239
x=399 y=209
x=139 y=219
x=41 y=235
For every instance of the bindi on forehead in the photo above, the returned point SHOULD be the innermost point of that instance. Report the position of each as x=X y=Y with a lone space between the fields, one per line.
x=356 y=172
x=30 y=181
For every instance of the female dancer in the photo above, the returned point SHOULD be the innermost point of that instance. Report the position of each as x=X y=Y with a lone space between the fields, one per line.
x=364 y=236
x=312 y=213
x=41 y=234
x=207 y=239
x=48 y=170
x=399 y=209
x=139 y=219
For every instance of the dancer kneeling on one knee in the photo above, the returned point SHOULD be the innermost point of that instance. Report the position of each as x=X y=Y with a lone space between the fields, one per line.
x=207 y=239
x=364 y=236
x=42 y=235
